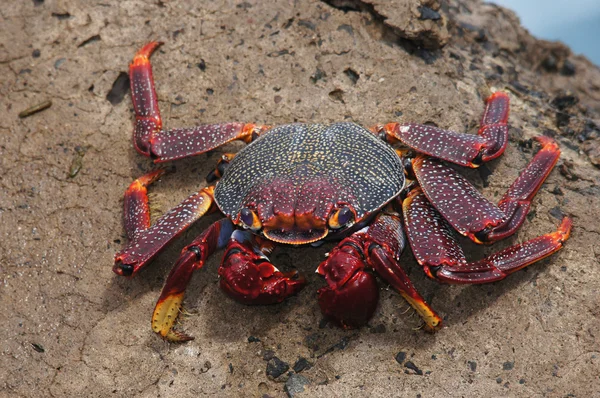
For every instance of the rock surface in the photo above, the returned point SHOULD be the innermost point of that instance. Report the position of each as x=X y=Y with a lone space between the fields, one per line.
x=70 y=327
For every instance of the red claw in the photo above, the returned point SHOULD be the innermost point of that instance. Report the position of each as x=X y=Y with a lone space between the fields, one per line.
x=248 y=276
x=351 y=297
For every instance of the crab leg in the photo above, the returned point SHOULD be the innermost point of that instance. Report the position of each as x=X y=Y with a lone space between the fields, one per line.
x=469 y=212
x=192 y=258
x=136 y=211
x=248 y=276
x=150 y=140
x=351 y=294
x=436 y=250
x=463 y=149
x=147 y=243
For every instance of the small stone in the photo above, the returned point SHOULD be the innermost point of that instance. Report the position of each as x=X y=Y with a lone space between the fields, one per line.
x=508 y=365
x=428 y=13
x=564 y=101
x=401 y=357
x=413 y=367
x=36 y=53
x=301 y=364
x=268 y=355
x=557 y=213
x=253 y=339
x=499 y=380
x=295 y=385
x=568 y=68
x=276 y=367
x=472 y=365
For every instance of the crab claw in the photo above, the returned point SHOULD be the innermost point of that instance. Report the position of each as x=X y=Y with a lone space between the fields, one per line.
x=249 y=277
x=351 y=295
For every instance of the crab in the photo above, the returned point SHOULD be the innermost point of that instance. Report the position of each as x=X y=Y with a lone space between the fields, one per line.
x=304 y=183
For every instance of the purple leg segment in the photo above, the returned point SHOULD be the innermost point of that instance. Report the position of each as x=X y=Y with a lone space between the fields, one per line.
x=136 y=211
x=150 y=140
x=463 y=149
x=436 y=250
x=468 y=211
x=149 y=242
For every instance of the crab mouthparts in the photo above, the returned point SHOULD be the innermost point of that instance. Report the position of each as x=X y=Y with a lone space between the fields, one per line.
x=295 y=236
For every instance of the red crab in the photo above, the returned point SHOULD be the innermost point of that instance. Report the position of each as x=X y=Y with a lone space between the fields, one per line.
x=304 y=183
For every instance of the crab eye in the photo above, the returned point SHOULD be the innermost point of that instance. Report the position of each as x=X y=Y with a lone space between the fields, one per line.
x=250 y=219
x=341 y=217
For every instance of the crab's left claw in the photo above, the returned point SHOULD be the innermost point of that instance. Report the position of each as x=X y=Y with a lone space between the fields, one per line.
x=248 y=276
x=351 y=295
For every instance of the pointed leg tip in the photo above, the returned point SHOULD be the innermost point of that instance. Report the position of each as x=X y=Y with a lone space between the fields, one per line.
x=564 y=230
x=498 y=95
x=547 y=143
x=164 y=317
x=142 y=57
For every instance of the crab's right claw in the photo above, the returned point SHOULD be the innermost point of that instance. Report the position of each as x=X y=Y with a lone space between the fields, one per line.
x=248 y=276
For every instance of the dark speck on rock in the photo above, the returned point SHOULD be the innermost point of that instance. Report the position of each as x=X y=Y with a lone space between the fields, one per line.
x=521 y=381
x=253 y=339
x=400 y=357
x=312 y=341
x=36 y=53
x=346 y=28
x=472 y=365
x=317 y=75
x=428 y=13
x=59 y=62
x=301 y=364
x=340 y=345
x=307 y=24
x=519 y=87
x=410 y=365
x=295 y=385
x=378 y=329
x=568 y=69
x=508 y=365
x=201 y=65
x=564 y=101
x=268 y=355
x=557 y=213
x=276 y=367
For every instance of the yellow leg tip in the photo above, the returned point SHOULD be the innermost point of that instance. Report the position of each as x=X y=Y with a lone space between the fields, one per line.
x=164 y=317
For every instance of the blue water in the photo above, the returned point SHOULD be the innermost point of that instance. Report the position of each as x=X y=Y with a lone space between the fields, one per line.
x=574 y=22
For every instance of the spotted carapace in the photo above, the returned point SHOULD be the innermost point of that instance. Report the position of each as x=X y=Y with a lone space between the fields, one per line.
x=305 y=183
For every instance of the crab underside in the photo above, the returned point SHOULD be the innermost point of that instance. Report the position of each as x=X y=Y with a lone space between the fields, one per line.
x=303 y=183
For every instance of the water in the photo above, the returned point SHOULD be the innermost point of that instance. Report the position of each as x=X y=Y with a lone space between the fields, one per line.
x=574 y=22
